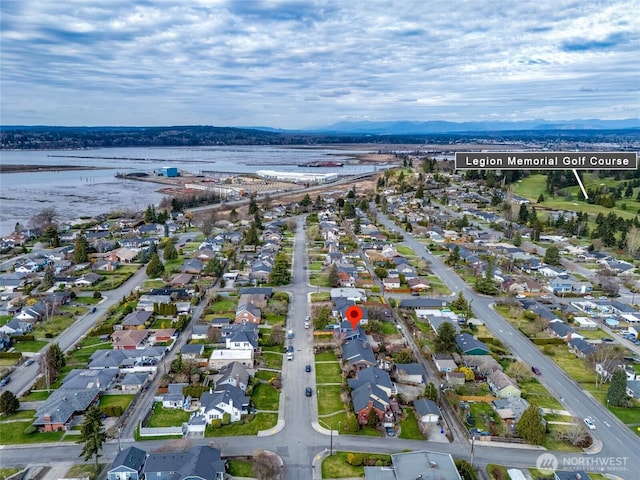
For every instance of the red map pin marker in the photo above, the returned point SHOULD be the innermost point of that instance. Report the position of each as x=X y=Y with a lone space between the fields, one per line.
x=354 y=315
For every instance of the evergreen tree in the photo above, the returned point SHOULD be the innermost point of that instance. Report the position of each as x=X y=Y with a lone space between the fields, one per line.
x=306 y=202
x=251 y=237
x=334 y=280
x=540 y=198
x=233 y=215
x=454 y=256
x=92 y=434
x=445 y=342
x=49 y=278
x=517 y=239
x=170 y=252
x=150 y=215
x=81 y=249
x=214 y=267
x=9 y=403
x=357 y=228
x=617 y=394
x=155 y=268
x=253 y=205
x=420 y=191
x=552 y=256
x=531 y=426
x=281 y=273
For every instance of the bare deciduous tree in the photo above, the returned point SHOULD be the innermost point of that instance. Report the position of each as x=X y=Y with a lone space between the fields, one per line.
x=266 y=465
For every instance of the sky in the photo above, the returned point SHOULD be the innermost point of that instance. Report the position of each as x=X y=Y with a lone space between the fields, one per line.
x=307 y=63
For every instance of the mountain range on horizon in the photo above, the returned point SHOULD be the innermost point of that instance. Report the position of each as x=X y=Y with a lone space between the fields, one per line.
x=394 y=127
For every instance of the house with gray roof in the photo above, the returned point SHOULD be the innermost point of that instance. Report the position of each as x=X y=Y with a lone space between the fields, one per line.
x=234 y=374
x=375 y=376
x=358 y=353
x=192 y=351
x=423 y=464
x=57 y=411
x=202 y=463
x=469 y=345
x=411 y=373
x=581 y=347
x=225 y=399
x=127 y=465
x=427 y=410
x=368 y=398
x=136 y=319
x=421 y=303
x=503 y=386
x=90 y=378
x=174 y=398
x=510 y=408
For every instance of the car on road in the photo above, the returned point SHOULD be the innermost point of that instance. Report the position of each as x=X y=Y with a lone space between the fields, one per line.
x=536 y=370
x=290 y=349
x=520 y=297
x=4 y=381
x=607 y=339
x=308 y=392
x=29 y=362
x=589 y=423
x=603 y=297
x=93 y=310
x=390 y=431
x=307 y=368
x=588 y=297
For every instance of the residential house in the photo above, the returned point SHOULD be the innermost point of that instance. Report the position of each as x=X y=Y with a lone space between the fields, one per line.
x=192 y=352
x=200 y=331
x=370 y=399
x=510 y=408
x=353 y=294
x=174 y=398
x=34 y=313
x=418 y=284
x=483 y=365
x=226 y=399
x=468 y=345
x=146 y=302
x=580 y=347
x=245 y=339
x=192 y=265
x=410 y=373
x=221 y=357
x=444 y=362
x=78 y=379
x=234 y=374
x=422 y=303
x=502 y=386
x=136 y=320
x=427 y=411
x=391 y=283
x=130 y=339
x=127 y=465
x=358 y=353
x=633 y=389
x=375 y=376
x=197 y=463
x=58 y=411
x=423 y=465
x=134 y=382
x=562 y=330
x=248 y=313
x=88 y=279
x=16 y=327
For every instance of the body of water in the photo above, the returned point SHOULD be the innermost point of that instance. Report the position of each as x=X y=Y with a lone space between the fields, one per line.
x=78 y=193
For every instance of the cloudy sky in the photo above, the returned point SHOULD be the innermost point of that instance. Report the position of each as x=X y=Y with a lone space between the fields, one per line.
x=306 y=63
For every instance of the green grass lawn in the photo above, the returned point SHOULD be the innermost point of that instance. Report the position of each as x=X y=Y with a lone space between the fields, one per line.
x=328 y=397
x=272 y=360
x=265 y=375
x=321 y=297
x=30 y=345
x=36 y=396
x=319 y=279
x=388 y=328
x=248 y=426
x=409 y=426
x=326 y=357
x=273 y=319
x=533 y=391
x=115 y=400
x=328 y=373
x=225 y=305
x=58 y=323
x=167 y=417
x=265 y=397
x=13 y=434
x=315 y=267
x=241 y=468
x=336 y=466
x=405 y=251
x=19 y=415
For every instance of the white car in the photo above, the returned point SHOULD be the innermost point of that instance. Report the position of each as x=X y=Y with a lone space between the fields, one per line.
x=589 y=423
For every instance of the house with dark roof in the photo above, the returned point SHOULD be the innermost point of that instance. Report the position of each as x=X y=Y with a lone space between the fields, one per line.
x=57 y=411
x=248 y=313
x=410 y=373
x=127 y=465
x=562 y=330
x=423 y=465
x=427 y=410
x=90 y=378
x=580 y=347
x=502 y=386
x=226 y=399
x=468 y=345
x=358 y=353
x=375 y=376
x=136 y=319
x=234 y=374
x=422 y=303
x=368 y=398
x=197 y=463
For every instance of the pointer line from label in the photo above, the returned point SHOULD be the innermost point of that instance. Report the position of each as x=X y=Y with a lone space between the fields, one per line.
x=584 y=192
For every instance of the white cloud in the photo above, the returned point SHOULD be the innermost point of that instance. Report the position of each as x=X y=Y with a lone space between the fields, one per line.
x=296 y=64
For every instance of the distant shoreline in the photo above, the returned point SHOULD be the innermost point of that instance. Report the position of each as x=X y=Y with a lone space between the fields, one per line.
x=43 y=168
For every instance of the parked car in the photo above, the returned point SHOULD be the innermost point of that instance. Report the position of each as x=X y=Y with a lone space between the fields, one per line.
x=536 y=370
x=390 y=431
x=308 y=392
x=589 y=423
x=307 y=368
x=4 y=381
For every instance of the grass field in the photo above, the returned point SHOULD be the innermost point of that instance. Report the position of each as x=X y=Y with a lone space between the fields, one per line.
x=328 y=373
x=252 y=425
x=116 y=400
x=166 y=417
x=328 y=398
x=336 y=466
x=13 y=434
x=241 y=468
x=30 y=345
x=409 y=426
x=19 y=415
x=265 y=397
x=326 y=357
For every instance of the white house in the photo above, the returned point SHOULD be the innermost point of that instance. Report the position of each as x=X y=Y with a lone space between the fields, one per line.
x=222 y=357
